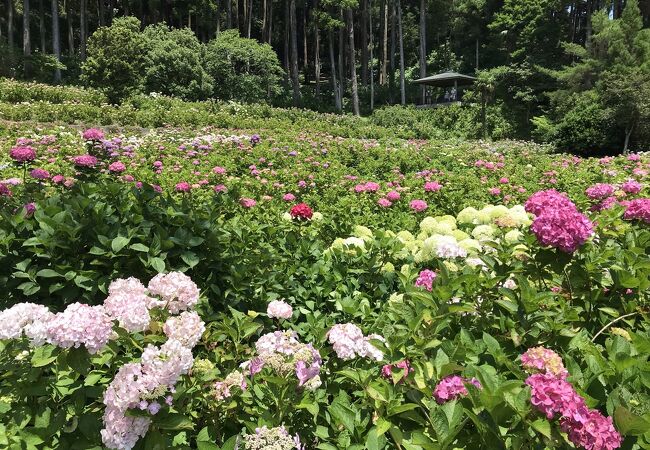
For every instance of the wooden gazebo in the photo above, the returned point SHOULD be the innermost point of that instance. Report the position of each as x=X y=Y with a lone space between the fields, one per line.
x=451 y=81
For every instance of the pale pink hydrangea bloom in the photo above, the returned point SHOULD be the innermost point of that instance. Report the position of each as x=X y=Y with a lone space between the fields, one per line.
x=80 y=325
x=279 y=309
x=28 y=318
x=384 y=202
x=348 y=341
x=187 y=328
x=247 y=202
x=176 y=290
x=393 y=196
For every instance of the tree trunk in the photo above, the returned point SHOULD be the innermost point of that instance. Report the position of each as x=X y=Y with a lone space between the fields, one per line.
x=41 y=24
x=391 y=75
x=236 y=18
x=353 y=69
x=384 y=47
x=270 y=19
x=111 y=11
x=83 y=30
x=364 y=42
x=402 y=87
x=101 y=13
x=27 y=42
x=423 y=48
x=10 y=24
x=305 y=53
x=294 y=51
x=372 y=61
x=264 y=38
x=477 y=49
x=628 y=133
x=228 y=14
x=316 y=53
x=250 y=19
x=335 y=85
x=56 y=46
x=68 y=17
x=342 y=82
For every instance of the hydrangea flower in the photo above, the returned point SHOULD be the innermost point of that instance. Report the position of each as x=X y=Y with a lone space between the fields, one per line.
x=565 y=229
x=348 y=342
x=384 y=202
x=631 y=187
x=418 y=205
x=183 y=186
x=176 y=290
x=279 y=309
x=453 y=387
x=22 y=154
x=85 y=161
x=599 y=191
x=93 y=134
x=39 y=174
x=425 y=279
x=271 y=438
x=187 y=328
x=543 y=360
x=247 y=202
x=301 y=211
x=117 y=167
x=637 y=209
x=80 y=325
x=592 y=431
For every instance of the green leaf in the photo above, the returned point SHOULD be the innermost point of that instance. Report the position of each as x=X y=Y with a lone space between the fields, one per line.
x=174 y=422
x=342 y=411
x=158 y=264
x=543 y=427
x=43 y=356
x=154 y=441
x=79 y=360
x=630 y=424
x=119 y=243
x=139 y=247
x=190 y=258
x=47 y=273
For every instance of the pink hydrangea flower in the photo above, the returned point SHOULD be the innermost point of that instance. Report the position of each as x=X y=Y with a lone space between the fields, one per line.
x=117 y=167
x=85 y=161
x=183 y=186
x=543 y=360
x=5 y=191
x=288 y=197
x=637 y=209
x=565 y=229
x=387 y=369
x=453 y=387
x=432 y=186
x=247 y=202
x=599 y=191
x=494 y=191
x=544 y=200
x=220 y=188
x=22 y=153
x=93 y=134
x=279 y=309
x=418 y=205
x=393 y=196
x=425 y=279
x=552 y=395
x=631 y=187
x=384 y=202
x=592 y=431
x=39 y=174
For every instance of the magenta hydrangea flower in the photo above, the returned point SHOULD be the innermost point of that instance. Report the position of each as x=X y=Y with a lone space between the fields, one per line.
x=565 y=229
x=552 y=395
x=183 y=186
x=58 y=179
x=453 y=387
x=93 y=134
x=637 y=209
x=593 y=431
x=85 y=161
x=425 y=279
x=545 y=200
x=600 y=191
x=418 y=205
x=39 y=174
x=117 y=167
x=387 y=369
x=288 y=197
x=22 y=153
x=631 y=187
x=494 y=191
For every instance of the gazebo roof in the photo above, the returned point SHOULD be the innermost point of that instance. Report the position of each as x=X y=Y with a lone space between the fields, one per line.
x=446 y=79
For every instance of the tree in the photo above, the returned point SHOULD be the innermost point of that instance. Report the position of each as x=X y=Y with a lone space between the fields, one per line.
x=293 y=38
x=115 y=61
x=174 y=63
x=242 y=69
x=353 y=69
x=27 y=43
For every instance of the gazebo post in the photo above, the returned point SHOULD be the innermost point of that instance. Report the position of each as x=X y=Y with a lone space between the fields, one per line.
x=455 y=90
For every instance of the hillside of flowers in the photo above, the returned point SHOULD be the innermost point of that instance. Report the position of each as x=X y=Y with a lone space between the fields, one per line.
x=221 y=289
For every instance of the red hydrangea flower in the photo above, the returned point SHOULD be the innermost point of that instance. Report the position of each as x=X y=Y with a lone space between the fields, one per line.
x=301 y=211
